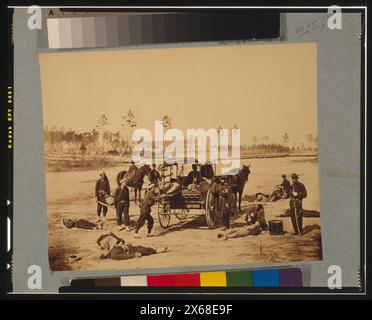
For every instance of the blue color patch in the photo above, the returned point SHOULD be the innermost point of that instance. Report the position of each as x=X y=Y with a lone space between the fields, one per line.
x=266 y=278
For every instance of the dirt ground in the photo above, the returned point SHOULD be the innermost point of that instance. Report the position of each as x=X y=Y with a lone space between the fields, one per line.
x=190 y=242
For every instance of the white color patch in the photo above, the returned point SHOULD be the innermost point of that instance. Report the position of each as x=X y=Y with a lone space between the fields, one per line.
x=133 y=281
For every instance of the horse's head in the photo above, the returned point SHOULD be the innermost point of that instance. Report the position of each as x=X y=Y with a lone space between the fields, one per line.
x=145 y=170
x=245 y=171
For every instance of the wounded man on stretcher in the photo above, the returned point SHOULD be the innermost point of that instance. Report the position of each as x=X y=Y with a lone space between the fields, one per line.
x=113 y=247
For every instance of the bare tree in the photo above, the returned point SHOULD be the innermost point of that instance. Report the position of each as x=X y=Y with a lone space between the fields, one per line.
x=128 y=125
x=285 y=138
x=102 y=123
x=95 y=137
x=115 y=141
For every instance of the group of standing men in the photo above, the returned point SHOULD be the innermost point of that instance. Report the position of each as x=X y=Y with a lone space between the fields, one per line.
x=295 y=191
x=121 y=201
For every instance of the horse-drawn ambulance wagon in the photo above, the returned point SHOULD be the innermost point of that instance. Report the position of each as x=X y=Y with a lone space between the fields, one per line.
x=212 y=196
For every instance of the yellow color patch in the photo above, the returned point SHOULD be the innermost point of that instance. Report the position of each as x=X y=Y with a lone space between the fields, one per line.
x=213 y=279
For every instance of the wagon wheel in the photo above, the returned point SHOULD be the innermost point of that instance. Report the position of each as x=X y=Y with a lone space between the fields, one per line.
x=182 y=214
x=211 y=210
x=163 y=215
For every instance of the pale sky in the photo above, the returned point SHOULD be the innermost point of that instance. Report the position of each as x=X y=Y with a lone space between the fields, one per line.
x=265 y=90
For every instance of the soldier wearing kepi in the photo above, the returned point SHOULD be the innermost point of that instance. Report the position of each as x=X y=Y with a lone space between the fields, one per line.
x=297 y=192
x=152 y=196
x=101 y=192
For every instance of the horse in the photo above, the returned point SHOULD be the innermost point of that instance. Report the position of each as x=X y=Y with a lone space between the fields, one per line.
x=134 y=179
x=237 y=183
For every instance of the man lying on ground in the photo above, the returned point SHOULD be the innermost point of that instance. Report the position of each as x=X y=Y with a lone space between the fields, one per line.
x=82 y=224
x=256 y=223
x=113 y=247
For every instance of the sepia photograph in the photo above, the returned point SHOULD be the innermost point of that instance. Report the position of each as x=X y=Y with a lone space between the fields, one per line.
x=181 y=157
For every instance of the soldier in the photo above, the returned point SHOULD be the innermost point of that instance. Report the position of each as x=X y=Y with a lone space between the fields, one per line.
x=297 y=192
x=101 y=192
x=227 y=203
x=256 y=223
x=286 y=187
x=132 y=167
x=154 y=175
x=257 y=214
x=194 y=175
x=113 y=247
x=151 y=197
x=121 y=202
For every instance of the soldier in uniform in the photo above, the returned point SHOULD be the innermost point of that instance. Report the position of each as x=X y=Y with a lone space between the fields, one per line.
x=121 y=202
x=257 y=214
x=132 y=167
x=256 y=223
x=227 y=204
x=151 y=197
x=194 y=176
x=101 y=192
x=113 y=247
x=297 y=193
x=286 y=187
x=154 y=175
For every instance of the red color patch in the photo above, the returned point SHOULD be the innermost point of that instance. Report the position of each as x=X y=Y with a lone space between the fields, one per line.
x=187 y=280
x=161 y=280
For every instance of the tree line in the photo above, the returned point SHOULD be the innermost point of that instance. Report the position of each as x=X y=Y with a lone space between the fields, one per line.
x=100 y=140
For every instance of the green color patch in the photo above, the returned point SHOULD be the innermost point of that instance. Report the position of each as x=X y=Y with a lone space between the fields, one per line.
x=241 y=278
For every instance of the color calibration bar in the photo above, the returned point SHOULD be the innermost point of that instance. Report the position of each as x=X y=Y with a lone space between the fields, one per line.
x=289 y=277
x=138 y=29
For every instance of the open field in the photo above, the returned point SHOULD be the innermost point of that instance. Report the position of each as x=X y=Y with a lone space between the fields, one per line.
x=78 y=162
x=190 y=242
